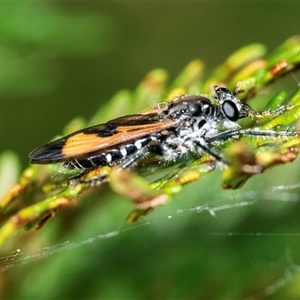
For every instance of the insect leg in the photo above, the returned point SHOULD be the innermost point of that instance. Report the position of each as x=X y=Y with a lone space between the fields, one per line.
x=151 y=148
x=226 y=135
x=213 y=154
x=134 y=157
x=270 y=112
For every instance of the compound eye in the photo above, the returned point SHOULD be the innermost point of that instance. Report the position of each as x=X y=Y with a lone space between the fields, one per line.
x=230 y=111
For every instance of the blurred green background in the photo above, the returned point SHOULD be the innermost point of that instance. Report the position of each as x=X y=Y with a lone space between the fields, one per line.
x=61 y=60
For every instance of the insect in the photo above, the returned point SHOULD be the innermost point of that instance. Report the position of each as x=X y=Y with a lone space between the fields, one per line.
x=188 y=125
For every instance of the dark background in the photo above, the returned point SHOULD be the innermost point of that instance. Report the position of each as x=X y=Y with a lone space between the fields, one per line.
x=61 y=60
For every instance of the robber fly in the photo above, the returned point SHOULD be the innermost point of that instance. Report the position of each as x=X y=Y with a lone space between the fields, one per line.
x=189 y=124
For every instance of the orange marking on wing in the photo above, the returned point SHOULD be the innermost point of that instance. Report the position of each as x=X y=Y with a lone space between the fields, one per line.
x=83 y=143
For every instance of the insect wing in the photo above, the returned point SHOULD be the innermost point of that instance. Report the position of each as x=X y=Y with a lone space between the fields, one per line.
x=100 y=137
